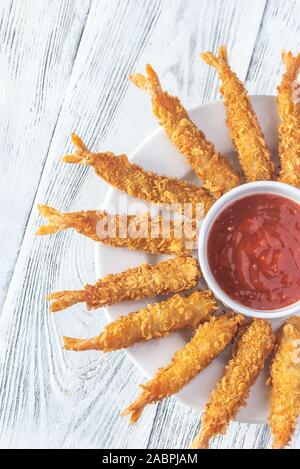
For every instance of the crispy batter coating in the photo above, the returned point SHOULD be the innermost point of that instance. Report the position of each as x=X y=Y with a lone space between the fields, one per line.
x=132 y=179
x=145 y=281
x=215 y=171
x=209 y=341
x=289 y=112
x=128 y=231
x=285 y=381
x=231 y=392
x=152 y=322
x=254 y=155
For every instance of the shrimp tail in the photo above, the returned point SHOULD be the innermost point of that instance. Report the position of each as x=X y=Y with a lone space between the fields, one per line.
x=216 y=61
x=79 y=345
x=59 y=221
x=65 y=299
x=200 y=442
x=135 y=410
x=140 y=81
x=82 y=154
x=54 y=217
x=149 y=84
x=287 y=57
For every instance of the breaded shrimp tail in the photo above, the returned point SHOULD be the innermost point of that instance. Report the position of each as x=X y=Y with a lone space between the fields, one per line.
x=209 y=341
x=215 y=171
x=132 y=179
x=152 y=322
x=145 y=281
x=66 y=298
x=285 y=381
x=231 y=392
x=289 y=112
x=83 y=222
x=254 y=155
x=144 y=233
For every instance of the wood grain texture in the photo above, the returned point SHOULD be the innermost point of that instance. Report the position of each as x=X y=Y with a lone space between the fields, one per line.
x=53 y=394
x=279 y=30
x=177 y=425
x=51 y=398
x=38 y=44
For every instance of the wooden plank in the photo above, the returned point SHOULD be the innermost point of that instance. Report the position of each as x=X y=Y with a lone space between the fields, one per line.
x=38 y=44
x=279 y=30
x=54 y=395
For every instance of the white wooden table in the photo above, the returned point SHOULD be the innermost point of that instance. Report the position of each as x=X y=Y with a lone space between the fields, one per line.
x=64 y=67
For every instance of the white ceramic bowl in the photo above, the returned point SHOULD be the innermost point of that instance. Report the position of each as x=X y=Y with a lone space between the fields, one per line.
x=269 y=187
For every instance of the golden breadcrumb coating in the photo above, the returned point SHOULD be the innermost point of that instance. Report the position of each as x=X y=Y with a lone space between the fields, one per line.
x=251 y=351
x=254 y=155
x=285 y=381
x=152 y=322
x=151 y=235
x=215 y=171
x=209 y=341
x=289 y=112
x=135 y=181
x=145 y=281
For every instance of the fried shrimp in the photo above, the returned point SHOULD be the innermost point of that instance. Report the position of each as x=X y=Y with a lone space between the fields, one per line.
x=254 y=155
x=215 y=171
x=152 y=322
x=285 y=381
x=132 y=179
x=142 y=233
x=209 y=341
x=289 y=112
x=145 y=281
x=231 y=392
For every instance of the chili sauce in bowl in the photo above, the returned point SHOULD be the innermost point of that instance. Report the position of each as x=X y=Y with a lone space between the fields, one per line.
x=249 y=249
x=254 y=251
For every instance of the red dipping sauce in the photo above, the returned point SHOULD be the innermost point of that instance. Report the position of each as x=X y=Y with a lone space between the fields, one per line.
x=253 y=251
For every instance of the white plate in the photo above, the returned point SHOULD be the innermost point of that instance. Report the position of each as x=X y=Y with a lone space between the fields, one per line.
x=157 y=154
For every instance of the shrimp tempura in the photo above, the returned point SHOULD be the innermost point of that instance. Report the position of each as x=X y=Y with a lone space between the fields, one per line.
x=215 y=171
x=209 y=341
x=289 y=113
x=145 y=281
x=128 y=231
x=285 y=381
x=131 y=178
x=254 y=155
x=152 y=322
x=231 y=392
